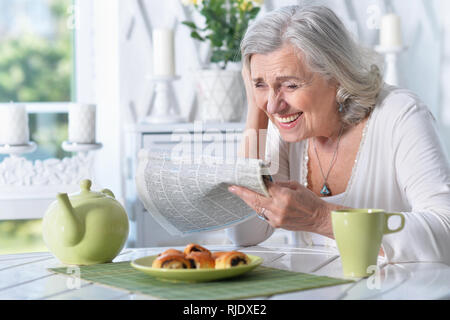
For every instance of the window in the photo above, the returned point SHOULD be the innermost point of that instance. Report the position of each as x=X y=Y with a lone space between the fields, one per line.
x=18 y=236
x=36 y=65
x=36 y=68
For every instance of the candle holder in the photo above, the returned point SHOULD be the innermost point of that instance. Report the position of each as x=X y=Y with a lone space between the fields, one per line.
x=391 y=54
x=164 y=108
x=80 y=147
x=17 y=150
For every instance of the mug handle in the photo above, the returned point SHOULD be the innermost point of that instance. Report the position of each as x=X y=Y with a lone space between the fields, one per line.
x=386 y=227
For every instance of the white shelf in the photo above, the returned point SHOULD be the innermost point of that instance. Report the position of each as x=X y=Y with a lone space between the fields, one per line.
x=188 y=127
x=387 y=50
x=80 y=147
x=18 y=149
x=163 y=120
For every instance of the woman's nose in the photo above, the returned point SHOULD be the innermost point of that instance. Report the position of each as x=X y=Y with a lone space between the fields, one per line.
x=275 y=103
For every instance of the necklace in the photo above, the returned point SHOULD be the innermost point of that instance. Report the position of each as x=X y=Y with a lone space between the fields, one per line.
x=326 y=192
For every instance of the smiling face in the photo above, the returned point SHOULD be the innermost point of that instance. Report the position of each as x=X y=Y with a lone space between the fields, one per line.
x=300 y=103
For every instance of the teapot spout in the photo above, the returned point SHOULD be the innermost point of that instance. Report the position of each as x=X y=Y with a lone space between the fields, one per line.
x=70 y=228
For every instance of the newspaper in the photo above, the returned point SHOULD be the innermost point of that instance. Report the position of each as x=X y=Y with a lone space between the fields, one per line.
x=187 y=196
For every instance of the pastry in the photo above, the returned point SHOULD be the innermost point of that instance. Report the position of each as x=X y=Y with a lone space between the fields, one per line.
x=193 y=247
x=171 y=261
x=170 y=251
x=217 y=254
x=232 y=259
x=200 y=260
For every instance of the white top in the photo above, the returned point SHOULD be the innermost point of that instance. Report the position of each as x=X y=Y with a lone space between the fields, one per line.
x=401 y=166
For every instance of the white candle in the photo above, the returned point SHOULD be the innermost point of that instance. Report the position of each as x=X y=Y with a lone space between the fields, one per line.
x=82 y=123
x=391 y=31
x=163 y=53
x=14 y=125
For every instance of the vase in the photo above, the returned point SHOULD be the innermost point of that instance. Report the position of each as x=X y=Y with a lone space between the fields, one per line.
x=221 y=95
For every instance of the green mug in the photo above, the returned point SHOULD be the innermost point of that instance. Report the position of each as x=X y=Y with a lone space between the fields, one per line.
x=358 y=234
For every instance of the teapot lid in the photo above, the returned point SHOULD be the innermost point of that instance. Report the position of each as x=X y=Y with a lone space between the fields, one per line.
x=86 y=192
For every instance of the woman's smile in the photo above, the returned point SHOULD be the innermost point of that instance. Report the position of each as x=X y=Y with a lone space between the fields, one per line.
x=288 y=122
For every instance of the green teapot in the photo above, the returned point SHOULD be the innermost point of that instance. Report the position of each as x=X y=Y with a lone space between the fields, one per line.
x=87 y=228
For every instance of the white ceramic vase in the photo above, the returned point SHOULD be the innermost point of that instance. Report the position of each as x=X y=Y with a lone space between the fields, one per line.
x=221 y=95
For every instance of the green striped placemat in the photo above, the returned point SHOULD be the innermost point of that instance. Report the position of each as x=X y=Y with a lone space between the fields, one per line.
x=262 y=281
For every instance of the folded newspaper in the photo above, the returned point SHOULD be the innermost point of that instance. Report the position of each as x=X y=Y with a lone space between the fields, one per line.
x=186 y=195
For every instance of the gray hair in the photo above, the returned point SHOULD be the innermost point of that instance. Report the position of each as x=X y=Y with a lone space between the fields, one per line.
x=327 y=48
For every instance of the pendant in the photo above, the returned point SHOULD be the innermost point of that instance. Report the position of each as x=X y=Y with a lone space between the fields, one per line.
x=325 y=191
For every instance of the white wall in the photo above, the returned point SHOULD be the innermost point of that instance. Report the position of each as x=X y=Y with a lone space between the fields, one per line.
x=445 y=72
x=98 y=81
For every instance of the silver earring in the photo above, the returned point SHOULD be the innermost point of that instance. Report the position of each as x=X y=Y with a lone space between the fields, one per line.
x=341 y=107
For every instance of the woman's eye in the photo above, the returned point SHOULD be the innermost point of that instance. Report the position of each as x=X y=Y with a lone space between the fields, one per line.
x=292 y=86
x=259 y=85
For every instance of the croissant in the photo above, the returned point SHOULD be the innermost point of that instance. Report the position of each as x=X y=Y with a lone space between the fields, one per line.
x=193 y=247
x=200 y=260
x=231 y=259
x=170 y=251
x=217 y=254
x=171 y=261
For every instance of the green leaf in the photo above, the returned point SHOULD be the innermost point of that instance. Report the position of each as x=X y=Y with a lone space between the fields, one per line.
x=254 y=12
x=216 y=40
x=218 y=56
x=190 y=24
x=195 y=35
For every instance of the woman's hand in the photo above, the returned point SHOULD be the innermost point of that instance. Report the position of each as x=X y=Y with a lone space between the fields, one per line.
x=257 y=120
x=247 y=78
x=291 y=207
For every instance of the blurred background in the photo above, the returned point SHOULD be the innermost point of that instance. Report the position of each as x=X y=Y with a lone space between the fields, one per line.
x=53 y=52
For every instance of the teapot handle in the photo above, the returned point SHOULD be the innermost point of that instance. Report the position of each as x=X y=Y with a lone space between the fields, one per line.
x=108 y=192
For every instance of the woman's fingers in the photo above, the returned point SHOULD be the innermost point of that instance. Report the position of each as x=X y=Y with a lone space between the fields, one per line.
x=260 y=204
x=277 y=188
x=272 y=188
x=253 y=199
x=293 y=185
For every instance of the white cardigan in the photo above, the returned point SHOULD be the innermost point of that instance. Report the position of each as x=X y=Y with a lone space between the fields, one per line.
x=400 y=167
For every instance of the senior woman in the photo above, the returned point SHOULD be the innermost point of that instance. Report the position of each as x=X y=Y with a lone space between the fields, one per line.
x=338 y=137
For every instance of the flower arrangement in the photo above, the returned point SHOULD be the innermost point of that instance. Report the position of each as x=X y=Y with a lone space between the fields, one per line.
x=225 y=24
